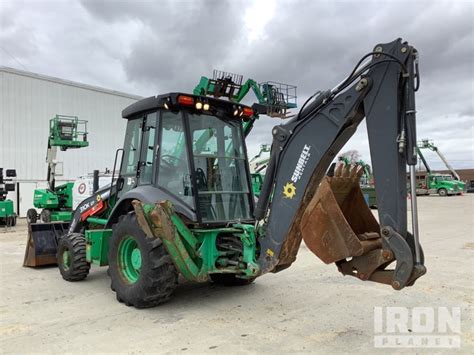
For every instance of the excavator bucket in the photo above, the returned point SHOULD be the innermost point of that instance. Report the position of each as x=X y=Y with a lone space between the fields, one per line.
x=338 y=227
x=42 y=243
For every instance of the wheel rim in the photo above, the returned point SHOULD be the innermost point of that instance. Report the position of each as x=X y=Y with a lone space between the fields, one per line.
x=130 y=259
x=66 y=260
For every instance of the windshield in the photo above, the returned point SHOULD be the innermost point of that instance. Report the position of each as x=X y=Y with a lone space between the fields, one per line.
x=220 y=169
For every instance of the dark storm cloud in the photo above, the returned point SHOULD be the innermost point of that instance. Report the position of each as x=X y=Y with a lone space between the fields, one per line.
x=181 y=40
x=151 y=47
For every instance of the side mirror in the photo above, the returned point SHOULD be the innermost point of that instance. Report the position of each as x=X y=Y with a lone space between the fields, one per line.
x=11 y=173
x=10 y=187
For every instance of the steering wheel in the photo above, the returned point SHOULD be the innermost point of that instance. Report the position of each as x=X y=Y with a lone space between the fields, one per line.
x=171 y=161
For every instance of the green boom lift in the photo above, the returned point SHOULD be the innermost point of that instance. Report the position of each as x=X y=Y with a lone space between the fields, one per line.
x=274 y=99
x=65 y=132
x=190 y=209
x=7 y=214
x=436 y=183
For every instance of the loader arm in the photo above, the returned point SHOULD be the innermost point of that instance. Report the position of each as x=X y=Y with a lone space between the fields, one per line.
x=383 y=92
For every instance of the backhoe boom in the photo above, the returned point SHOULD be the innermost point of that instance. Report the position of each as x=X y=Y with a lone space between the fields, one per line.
x=303 y=149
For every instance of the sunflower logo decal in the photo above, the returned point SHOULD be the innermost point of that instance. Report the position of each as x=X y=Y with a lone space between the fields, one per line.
x=289 y=190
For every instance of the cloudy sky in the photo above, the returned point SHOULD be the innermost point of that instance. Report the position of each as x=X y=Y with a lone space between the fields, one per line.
x=152 y=47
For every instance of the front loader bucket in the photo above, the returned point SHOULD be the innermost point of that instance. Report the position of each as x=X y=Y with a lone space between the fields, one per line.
x=42 y=243
x=339 y=227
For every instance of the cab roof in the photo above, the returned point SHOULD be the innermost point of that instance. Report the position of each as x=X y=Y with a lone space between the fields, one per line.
x=174 y=101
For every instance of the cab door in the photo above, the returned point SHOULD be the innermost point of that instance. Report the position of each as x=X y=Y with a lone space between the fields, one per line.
x=149 y=150
x=138 y=153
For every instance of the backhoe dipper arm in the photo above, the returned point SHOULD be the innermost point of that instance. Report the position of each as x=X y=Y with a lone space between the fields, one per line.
x=302 y=150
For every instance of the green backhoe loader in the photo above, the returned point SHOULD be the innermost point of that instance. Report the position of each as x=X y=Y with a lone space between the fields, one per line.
x=182 y=202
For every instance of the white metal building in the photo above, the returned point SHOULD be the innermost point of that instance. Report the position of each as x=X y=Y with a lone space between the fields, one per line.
x=28 y=101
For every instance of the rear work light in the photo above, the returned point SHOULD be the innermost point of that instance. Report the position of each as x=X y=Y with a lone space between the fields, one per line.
x=185 y=100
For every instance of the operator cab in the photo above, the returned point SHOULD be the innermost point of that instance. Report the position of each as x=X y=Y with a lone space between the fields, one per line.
x=189 y=150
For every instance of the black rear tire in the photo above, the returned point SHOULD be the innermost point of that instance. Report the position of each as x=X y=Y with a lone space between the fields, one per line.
x=153 y=279
x=72 y=261
x=31 y=215
x=230 y=280
x=45 y=216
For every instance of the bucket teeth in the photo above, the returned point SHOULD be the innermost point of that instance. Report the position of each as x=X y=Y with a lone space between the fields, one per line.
x=337 y=215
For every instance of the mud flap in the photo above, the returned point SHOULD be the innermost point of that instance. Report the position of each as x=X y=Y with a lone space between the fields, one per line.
x=338 y=227
x=42 y=243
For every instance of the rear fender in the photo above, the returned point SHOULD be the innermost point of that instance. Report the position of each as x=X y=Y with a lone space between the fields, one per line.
x=148 y=194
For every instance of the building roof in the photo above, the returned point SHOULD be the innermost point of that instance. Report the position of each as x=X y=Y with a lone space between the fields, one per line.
x=68 y=82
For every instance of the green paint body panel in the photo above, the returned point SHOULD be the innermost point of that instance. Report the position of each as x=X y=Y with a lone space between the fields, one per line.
x=44 y=198
x=100 y=221
x=6 y=209
x=97 y=246
x=61 y=216
x=60 y=197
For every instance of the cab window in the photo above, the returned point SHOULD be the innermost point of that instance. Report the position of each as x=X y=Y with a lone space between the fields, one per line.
x=131 y=147
x=148 y=149
x=173 y=171
x=220 y=169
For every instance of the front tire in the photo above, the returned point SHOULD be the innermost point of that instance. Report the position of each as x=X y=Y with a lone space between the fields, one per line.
x=72 y=260
x=141 y=271
x=443 y=192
